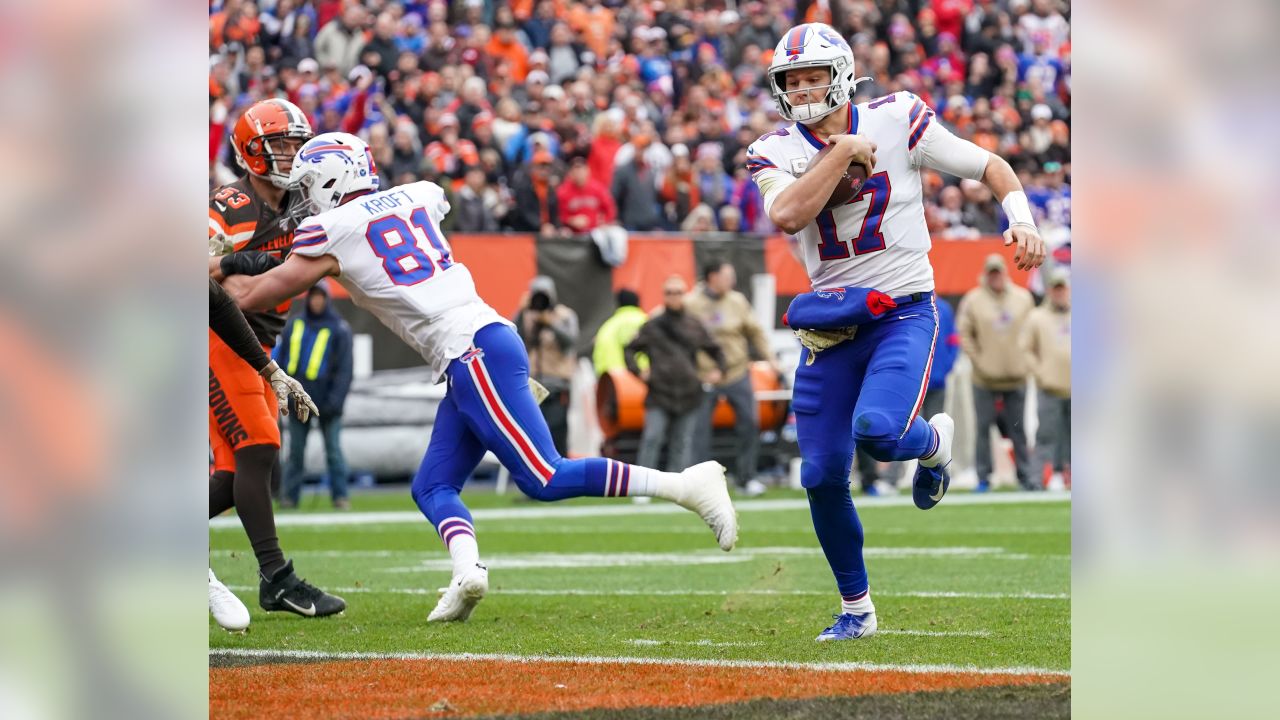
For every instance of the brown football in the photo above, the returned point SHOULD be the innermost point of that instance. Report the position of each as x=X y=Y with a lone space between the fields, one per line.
x=845 y=190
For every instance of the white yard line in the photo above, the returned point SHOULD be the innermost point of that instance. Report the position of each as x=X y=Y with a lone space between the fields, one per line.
x=428 y=561
x=643 y=642
x=936 y=633
x=597 y=660
x=648 y=642
x=539 y=512
x=582 y=592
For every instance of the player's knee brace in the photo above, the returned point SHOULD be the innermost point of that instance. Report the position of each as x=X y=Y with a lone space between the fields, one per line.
x=877 y=434
x=823 y=471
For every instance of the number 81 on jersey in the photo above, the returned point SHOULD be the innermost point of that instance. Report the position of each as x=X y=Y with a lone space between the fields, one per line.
x=398 y=246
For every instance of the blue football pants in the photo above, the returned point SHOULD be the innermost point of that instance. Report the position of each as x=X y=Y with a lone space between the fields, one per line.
x=488 y=406
x=864 y=392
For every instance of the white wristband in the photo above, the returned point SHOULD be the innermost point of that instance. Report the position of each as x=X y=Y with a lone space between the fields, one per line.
x=1017 y=209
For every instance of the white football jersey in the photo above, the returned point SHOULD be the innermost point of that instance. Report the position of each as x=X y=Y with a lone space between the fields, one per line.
x=396 y=264
x=879 y=239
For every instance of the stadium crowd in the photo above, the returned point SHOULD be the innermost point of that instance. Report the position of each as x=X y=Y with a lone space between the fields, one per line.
x=556 y=117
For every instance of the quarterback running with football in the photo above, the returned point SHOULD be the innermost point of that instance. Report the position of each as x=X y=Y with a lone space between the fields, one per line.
x=387 y=250
x=863 y=385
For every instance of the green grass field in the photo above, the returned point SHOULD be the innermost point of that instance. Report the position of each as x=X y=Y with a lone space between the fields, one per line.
x=965 y=586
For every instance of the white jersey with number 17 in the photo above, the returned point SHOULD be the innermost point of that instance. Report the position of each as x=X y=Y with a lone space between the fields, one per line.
x=396 y=264
x=879 y=239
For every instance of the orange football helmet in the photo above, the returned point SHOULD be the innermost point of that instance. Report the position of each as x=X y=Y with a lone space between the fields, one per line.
x=261 y=137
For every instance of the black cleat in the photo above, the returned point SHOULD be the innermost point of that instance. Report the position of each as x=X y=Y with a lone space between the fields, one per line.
x=286 y=591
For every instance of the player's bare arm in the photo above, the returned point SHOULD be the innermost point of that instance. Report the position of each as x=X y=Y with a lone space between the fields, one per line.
x=295 y=275
x=1003 y=181
x=801 y=201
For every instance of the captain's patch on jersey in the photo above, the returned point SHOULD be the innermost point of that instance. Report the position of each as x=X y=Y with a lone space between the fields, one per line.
x=798 y=166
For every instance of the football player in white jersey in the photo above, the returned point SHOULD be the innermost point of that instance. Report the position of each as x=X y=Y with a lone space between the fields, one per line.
x=864 y=385
x=386 y=248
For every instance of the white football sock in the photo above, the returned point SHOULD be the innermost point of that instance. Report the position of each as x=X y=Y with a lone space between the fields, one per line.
x=943 y=430
x=459 y=536
x=465 y=553
x=655 y=483
x=861 y=606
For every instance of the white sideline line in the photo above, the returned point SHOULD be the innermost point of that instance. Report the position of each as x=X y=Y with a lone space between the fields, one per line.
x=597 y=660
x=627 y=509
x=575 y=592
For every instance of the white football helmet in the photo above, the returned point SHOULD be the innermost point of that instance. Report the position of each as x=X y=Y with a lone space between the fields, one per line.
x=329 y=167
x=806 y=46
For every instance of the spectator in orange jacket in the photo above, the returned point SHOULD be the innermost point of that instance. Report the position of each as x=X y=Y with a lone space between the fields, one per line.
x=504 y=46
x=584 y=203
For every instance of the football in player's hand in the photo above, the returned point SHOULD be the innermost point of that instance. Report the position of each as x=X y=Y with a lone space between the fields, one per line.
x=848 y=187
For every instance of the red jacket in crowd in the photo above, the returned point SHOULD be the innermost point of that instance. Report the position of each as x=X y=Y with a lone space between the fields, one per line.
x=600 y=159
x=583 y=208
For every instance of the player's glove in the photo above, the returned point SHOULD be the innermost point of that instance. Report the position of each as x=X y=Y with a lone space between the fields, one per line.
x=250 y=262
x=220 y=245
x=287 y=388
x=819 y=340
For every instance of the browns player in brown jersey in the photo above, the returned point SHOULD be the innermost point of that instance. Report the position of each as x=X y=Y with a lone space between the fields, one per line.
x=247 y=219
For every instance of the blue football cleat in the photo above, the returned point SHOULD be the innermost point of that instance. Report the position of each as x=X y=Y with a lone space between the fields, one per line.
x=929 y=485
x=850 y=627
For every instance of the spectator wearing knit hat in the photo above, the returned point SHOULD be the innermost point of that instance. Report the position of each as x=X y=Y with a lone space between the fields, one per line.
x=537 y=207
x=634 y=186
x=451 y=155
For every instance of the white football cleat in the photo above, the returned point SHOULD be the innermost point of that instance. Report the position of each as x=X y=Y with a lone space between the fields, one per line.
x=465 y=591
x=228 y=611
x=706 y=493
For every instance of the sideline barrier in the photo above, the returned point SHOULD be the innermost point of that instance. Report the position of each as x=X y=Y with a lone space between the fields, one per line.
x=620 y=402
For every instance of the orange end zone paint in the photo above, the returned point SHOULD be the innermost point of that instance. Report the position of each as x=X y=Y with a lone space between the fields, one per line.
x=410 y=688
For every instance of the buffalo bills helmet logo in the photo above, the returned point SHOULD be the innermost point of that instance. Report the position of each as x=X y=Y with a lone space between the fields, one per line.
x=832 y=37
x=313 y=153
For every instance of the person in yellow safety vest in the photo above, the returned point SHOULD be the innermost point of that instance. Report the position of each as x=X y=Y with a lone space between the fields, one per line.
x=616 y=332
x=315 y=348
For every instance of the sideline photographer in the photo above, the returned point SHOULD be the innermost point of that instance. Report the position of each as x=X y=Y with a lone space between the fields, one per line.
x=550 y=331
